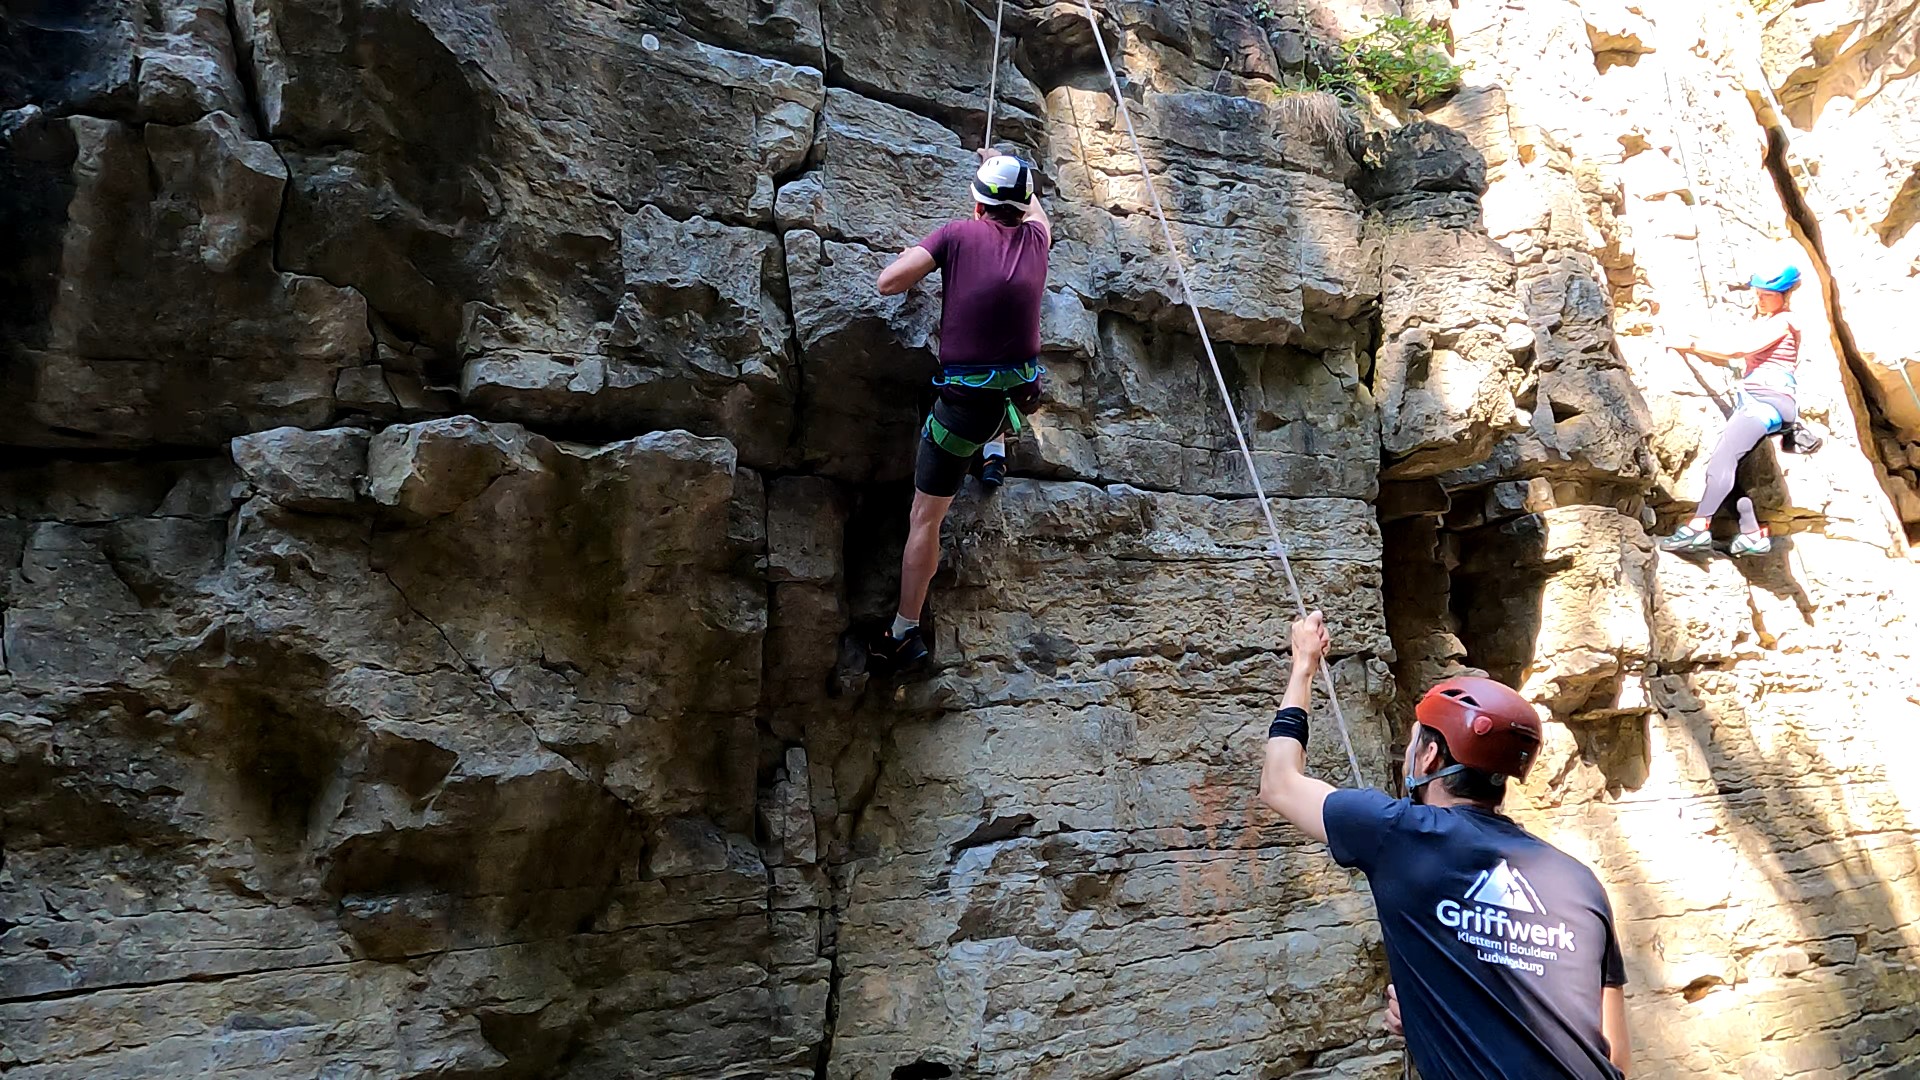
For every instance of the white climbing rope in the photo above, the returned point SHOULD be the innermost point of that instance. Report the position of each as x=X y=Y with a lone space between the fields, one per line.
x=993 y=77
x=1220 y=380
x=1901 y=367
x=1693 y=191
x=1699 y=236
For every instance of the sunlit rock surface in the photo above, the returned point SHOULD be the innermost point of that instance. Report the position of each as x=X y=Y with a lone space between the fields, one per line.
x=1839 y=90
x=447 y=443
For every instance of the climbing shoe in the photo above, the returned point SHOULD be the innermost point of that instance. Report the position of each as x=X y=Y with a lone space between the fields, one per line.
x=1751 y=544
x=993 y=472
x=1687 y=539
x=888 y=654
x=1798 y=438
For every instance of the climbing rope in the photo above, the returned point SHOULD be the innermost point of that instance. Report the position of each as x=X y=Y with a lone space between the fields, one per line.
x=993 y=77
x=1908 y=379
x=1699 y=240
x=1693 y=192
x=1220 y=380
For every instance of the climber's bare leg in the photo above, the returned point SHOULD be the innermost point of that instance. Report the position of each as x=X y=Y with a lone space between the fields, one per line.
x=922 y=554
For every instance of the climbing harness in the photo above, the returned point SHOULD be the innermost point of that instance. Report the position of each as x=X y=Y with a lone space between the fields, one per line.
x=996 y=379
x=993 y=77
x=1010 y=380
x=1220 y=380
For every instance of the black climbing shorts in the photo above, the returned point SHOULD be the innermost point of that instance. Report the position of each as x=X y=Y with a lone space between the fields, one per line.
x=972 y=414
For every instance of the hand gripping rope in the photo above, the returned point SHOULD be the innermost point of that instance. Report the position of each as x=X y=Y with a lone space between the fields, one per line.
x=1220 y=380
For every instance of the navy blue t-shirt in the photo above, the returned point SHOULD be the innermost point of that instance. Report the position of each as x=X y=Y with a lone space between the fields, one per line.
x=1498 y=942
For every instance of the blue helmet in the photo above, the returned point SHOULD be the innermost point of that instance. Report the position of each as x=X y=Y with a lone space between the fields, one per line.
x=1780 y=281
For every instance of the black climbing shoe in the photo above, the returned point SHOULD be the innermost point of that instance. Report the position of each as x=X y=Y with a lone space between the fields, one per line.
x=993 y=472
x=890 y=655
x=1798 y=438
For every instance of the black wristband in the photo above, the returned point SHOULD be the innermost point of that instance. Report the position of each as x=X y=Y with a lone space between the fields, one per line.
x=1289 y=723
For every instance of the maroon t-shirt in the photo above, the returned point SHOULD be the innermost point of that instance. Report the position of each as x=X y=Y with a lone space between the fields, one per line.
x=992 y=279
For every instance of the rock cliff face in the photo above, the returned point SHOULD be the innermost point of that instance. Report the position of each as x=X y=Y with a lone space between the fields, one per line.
x=446 y=442
x=1840 y=102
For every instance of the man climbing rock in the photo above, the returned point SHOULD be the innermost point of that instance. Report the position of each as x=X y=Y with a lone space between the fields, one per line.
x=993 y=274
x=1501 y=948
x=1767 y=353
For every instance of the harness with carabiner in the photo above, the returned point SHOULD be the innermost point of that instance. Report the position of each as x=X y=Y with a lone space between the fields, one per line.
x=1014 y=382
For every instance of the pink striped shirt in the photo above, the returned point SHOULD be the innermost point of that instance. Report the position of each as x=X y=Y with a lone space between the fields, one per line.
x=1774 y=367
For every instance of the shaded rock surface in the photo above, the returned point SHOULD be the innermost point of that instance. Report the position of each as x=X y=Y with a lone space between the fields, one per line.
x=448 y=443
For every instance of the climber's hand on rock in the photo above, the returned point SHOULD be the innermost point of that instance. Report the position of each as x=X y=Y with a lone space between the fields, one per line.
x=1310 y=639
x=1393 y=1011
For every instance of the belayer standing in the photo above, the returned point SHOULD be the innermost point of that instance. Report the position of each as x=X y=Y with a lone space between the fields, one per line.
x=1501 y=947
x=993 y=276
x=1768 y=355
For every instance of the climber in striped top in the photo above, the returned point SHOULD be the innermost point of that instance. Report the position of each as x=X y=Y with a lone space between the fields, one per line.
x=1767 y=354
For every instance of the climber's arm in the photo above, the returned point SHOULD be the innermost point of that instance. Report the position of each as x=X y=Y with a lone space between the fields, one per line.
x=1613 y=1024
x=1285 y=786
x=905 y=272
x=1743 y=343
x=1038 y=213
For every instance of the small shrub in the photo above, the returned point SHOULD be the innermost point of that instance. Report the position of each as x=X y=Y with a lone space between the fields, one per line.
x=1401 y=58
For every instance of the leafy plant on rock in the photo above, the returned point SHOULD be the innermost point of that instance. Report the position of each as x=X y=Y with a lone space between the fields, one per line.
x=1401 y=58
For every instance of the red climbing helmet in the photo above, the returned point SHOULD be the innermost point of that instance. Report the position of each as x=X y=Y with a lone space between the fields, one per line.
x=1487 y=725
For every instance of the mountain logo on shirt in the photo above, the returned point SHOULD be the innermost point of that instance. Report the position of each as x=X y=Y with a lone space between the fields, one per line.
x=1503 y=920
x=1503 y=886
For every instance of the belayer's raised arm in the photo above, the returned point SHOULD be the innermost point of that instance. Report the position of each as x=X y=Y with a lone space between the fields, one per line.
x=1285 y=787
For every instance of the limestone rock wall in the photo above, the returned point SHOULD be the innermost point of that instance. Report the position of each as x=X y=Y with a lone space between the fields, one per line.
x=1735 y=751
x=446 y=442
x=1838 y=82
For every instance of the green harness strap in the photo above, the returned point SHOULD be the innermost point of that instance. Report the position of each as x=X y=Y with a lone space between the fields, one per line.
x=943 y=437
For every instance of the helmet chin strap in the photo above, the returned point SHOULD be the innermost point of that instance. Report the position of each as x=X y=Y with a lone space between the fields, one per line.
x=1416 y=783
